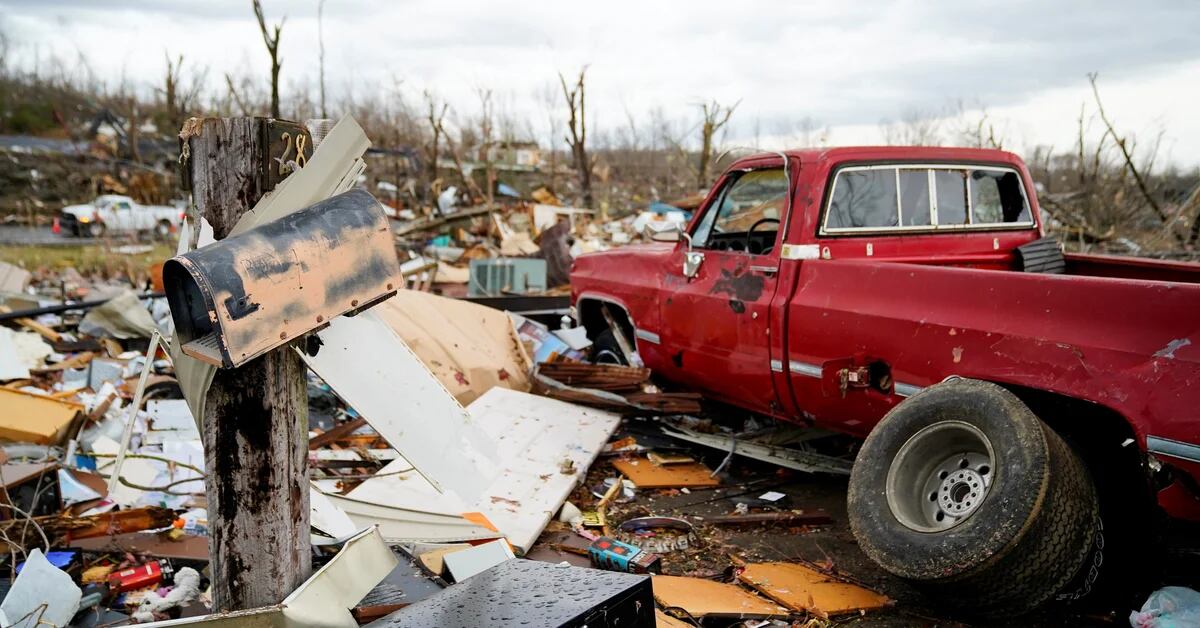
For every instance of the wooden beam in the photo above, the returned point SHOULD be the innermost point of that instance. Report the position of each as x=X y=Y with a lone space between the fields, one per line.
x=336 y=433
x=256 y=416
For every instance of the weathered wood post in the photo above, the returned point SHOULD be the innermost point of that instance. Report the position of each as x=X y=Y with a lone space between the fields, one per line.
x=256 y=416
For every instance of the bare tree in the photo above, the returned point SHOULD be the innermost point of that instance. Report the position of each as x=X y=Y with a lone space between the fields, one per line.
x=435 y=118
x=272 y=43
x=916 y=128
x=1124 y=144
x=715 y=118
x=575 y=96
x=487 y=132
x=977 y=131
x=456 y=155
x=171 y=93
x=233 y=93
x=132 y=132
x=321 y=53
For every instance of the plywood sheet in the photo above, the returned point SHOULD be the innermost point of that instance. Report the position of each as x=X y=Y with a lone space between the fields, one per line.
x=646 y=474
x=701 y=597
x=804 y=589
x=30 y=418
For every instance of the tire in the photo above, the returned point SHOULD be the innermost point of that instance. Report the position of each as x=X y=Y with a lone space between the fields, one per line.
x=1009 y=524
x=96 y=229
x=606 y=350
x=162 y=230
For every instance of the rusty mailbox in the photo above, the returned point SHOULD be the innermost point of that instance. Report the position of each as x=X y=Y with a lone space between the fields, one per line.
x=242 y=296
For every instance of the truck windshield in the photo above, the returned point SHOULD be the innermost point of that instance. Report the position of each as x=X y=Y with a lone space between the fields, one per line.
x=925 y=198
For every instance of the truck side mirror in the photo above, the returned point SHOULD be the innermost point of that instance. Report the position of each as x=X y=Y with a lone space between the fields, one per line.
x=668 y=232
x=243 y=296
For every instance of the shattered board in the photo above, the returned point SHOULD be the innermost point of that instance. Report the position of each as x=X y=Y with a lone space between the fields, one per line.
x=701 y=598
x=803 y=589
x=646 y=474
x=537 y=439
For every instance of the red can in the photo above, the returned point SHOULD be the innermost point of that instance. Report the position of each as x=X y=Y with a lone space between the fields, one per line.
x=140 y=577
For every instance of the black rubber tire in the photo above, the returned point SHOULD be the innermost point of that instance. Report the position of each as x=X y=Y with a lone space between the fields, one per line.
x=1028 y=539
x=606 y=350
x=96 y=229
x=162 y=230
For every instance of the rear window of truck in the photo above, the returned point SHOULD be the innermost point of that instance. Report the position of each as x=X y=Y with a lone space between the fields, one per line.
x=904 y=197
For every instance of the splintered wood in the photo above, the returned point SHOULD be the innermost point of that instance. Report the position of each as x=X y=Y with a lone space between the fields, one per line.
x=646 y=474
x=610 y=377
x=807 y=590
x=701 y=598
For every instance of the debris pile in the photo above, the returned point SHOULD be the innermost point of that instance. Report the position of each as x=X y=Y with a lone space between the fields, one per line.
x=512 y=450
x=518 y=246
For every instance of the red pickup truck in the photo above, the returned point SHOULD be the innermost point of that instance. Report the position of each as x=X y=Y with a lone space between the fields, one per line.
x=1020 y=405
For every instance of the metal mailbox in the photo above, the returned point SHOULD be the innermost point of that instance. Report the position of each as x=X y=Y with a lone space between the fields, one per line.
x=245 y=295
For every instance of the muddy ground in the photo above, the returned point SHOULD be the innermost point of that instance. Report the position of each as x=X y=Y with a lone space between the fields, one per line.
x=833 y=546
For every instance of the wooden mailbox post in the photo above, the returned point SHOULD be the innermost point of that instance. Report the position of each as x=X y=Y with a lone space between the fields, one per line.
x=256 y=416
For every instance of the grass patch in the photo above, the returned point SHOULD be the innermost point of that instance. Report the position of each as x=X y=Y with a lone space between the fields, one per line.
x=92 y=258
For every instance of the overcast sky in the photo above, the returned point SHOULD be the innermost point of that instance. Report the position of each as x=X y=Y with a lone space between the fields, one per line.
x=846 y=65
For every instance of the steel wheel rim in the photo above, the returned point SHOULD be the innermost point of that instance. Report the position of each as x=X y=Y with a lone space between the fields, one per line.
x=941 y=476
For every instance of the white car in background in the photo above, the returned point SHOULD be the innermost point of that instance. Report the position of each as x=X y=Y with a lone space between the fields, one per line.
x=114 y=213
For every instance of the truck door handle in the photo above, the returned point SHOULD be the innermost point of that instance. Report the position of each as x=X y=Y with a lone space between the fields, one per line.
x=770 y=270
x=691 y=263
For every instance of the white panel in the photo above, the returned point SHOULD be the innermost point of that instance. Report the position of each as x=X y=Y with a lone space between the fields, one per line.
x=374 y=371
x=535 y=436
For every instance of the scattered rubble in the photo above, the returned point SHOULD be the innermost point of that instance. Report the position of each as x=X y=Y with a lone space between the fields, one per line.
x=460 y=451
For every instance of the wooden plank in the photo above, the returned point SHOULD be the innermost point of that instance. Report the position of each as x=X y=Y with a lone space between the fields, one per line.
x=804 y=589
x=646 y=474
x=336 y=433
x=34 y=418
x=707 y=598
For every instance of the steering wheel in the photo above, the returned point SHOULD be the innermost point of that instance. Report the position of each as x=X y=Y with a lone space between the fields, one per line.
x=750 y=232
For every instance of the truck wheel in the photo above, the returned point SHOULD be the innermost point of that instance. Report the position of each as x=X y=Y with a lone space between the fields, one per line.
x=96 y=229
x=162 y=229
x=605 y=349
x=963 y=490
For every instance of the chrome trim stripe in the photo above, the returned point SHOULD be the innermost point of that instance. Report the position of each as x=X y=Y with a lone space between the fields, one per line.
x=907 y=390
x=1173 y=448
x=777 y=366
x=804 y=368
x=648 y=336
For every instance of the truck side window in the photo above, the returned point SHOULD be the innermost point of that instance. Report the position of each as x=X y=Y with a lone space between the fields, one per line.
x=996 y=197
x=951 y=196
x=914 y=197
x=864 y=198
x=758 y=199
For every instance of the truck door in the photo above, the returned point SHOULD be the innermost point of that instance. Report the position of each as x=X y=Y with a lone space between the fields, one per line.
x=718 y=289
x=124 y=217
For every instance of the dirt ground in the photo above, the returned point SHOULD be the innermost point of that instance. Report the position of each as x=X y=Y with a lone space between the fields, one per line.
x=832 y=547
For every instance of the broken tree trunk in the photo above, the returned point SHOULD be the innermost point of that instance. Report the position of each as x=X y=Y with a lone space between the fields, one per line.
x=256 y=416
